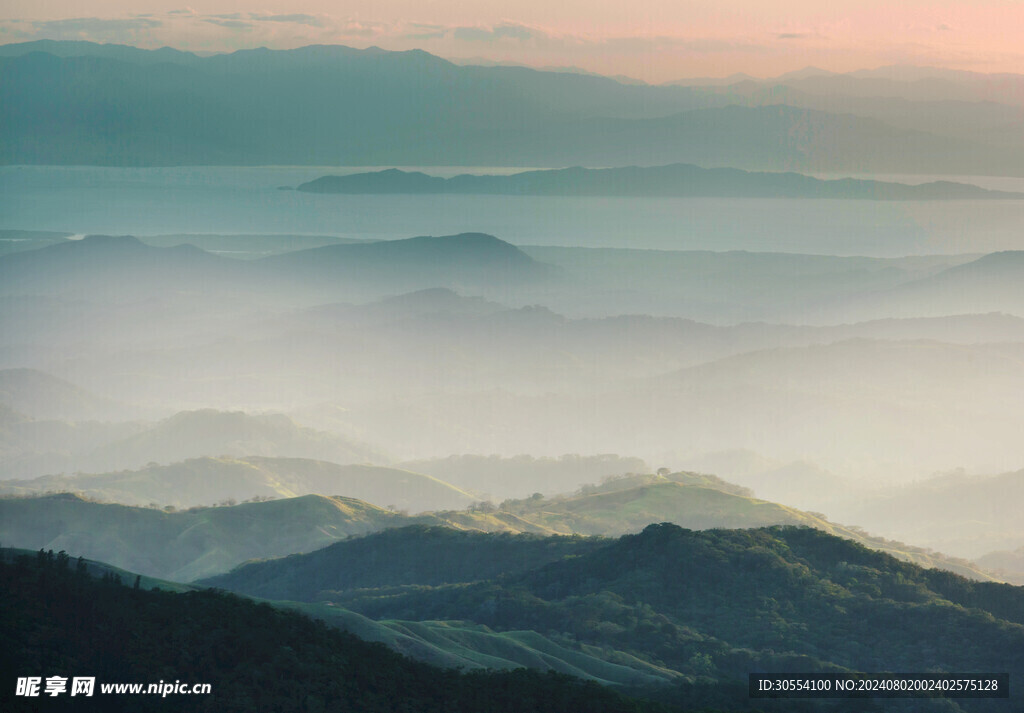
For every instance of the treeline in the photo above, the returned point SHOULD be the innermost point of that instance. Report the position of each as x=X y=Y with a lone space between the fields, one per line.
x=56 y=620
x=417 y=554
x=713 y=606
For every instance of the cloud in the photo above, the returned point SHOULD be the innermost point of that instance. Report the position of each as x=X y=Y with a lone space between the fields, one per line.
x=231 y=24
x=503 y=31
x=794 y=36
x=354 y=28
x=297 y=19
x=664 y=44
x=426 y=35
x=96 y=25
x=9 y=29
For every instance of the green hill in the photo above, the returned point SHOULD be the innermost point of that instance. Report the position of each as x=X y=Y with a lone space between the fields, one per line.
x=417 y=554
x=253 y=656
x=187 y=544
x=697 y=501
x=632 y=509
x=468 y=646
x=203 y=541
x=722 y=603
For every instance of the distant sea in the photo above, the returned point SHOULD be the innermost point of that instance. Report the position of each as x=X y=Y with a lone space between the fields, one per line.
x=150 y=201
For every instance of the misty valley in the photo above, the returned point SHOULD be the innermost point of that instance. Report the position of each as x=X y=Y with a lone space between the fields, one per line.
x=602 y=399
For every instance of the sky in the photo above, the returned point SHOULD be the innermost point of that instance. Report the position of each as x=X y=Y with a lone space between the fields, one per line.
x=653 y=40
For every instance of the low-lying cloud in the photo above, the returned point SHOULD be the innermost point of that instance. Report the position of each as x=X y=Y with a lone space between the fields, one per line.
x=497 y=33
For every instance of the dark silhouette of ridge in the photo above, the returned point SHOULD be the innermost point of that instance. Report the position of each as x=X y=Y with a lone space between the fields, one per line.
x=425 y=259
x=673 y=180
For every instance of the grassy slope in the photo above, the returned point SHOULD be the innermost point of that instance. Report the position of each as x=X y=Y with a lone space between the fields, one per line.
x=723 y=603
x=702 y=507
x=187 y=544
x=455 y=644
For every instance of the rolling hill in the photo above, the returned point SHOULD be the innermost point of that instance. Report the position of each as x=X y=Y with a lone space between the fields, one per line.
x=43 y=396
x=118 y=632
x=1005 y=563
x=418 y=554
x=204 y=541
x=968 y=516
x=105 y=266
x=665 y=500
x=209 y=432
x=184 y=545
x=699 y=501
x=204 y=481
x=853 y=407
x=715 y=604
x=521 y=475
x=414 y=263
x=989 y=283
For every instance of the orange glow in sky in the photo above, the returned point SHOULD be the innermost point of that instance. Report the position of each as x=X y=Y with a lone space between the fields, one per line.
x=655 y=40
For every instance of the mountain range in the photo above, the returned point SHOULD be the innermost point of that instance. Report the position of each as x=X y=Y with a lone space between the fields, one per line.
x=656 y=470
x=966 y=515
x=711 y=605
x=202 y=541
x=679 y=180
x=98 y=105
x=121 y=269
x=35 y=447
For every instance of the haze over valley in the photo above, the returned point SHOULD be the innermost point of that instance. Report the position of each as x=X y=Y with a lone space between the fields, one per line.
x=653 y=385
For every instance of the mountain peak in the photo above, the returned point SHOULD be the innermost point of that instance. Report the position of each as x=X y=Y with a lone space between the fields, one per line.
x=806 y=73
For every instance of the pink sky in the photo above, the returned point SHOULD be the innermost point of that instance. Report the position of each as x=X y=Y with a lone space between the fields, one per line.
x=655 y=40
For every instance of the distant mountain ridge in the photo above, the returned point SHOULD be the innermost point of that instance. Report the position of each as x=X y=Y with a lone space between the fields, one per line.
x=266 y=107
x=466 y=259
x=465 y=248
x=193 y=434
x=990 y=283
x=121 y=268
x=39 y=395
x=99 y=265
x=684 y=180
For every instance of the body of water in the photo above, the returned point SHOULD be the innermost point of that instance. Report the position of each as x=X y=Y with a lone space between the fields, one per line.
x=150 y=201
